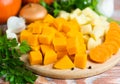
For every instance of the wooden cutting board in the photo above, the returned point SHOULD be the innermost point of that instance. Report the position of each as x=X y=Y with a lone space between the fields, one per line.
x=96 y=68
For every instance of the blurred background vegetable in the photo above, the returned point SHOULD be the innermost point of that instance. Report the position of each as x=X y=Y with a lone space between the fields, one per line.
x=106 y=7
x=68 y=5
x=32 y=11
x=8 y=8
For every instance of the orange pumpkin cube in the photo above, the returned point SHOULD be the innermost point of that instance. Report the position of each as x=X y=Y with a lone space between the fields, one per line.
x=60 y=44
x=33 y=40
x=72 y=45
x=35 y=57
x=24 y=35
x=35 y=28
x=71 y=25
x=74 y=26
x=48 y=18
x=59 y=34
x=58 y=23
x=64 y=63
x=50 y=57
x=80 y=60
x=61 y=54
x=47 y=35
x=45 y=48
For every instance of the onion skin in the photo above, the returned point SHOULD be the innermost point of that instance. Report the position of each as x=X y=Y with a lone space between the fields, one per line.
x=9 y=8
x=32 y=11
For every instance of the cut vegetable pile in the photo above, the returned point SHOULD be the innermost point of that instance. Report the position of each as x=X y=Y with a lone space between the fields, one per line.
x=63 y=33
x=54 y=40
x=60 y=41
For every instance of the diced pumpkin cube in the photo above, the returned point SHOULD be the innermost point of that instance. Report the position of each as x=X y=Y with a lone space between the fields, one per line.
x=80 y=60
x=35 y=57
x=48 y=30
x=58 y=22
x=72 y=45
x=46 y=39
x=74 y=34
x=64 y=63
x=33 y=40
x=61 y=54
x=71 y=25
x=59 y=34
x=71 y=33
x=47 y=35
x=50 y=57
x=74 y=25
x=48 y=18
x=60 y=44
x=35 y=28
x=24 y=35
x=45 y=48
x=35 y=48
x=66 y=27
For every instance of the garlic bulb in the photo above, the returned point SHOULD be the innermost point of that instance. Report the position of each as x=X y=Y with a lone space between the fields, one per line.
x=11 y=35
x=16 y=24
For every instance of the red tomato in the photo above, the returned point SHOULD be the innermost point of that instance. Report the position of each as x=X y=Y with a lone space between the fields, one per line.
x=8 y=8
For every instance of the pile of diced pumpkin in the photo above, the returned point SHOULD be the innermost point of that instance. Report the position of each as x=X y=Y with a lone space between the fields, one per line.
x=55 y=41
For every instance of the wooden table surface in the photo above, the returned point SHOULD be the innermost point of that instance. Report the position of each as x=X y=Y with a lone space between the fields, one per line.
x=111 y=76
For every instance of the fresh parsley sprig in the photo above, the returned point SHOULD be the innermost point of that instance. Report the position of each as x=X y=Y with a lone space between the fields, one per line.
x=68 y=5
x=11 y=67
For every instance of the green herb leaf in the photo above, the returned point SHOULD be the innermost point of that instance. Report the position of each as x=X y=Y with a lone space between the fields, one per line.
x=11 y=67
x=24 y=47
x=68 y=5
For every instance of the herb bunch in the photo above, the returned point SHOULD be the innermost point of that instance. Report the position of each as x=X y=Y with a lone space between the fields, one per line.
x=68 y=5
x=11 y=67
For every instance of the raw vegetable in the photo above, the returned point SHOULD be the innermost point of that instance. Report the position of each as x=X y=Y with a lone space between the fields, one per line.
x=32 y=11
x=60 y=44
x=80 y=60
x=92 y=26
x=50 y=57
x=8 y=8
x=55 y=41
x=11 y=67
x=15 y=24
x=64 y=63
x=47 y=35
x=106 y=7
x=68 y=5
x=113 y=33
x=99 y=54
x=111 y=45
x=35 y=57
